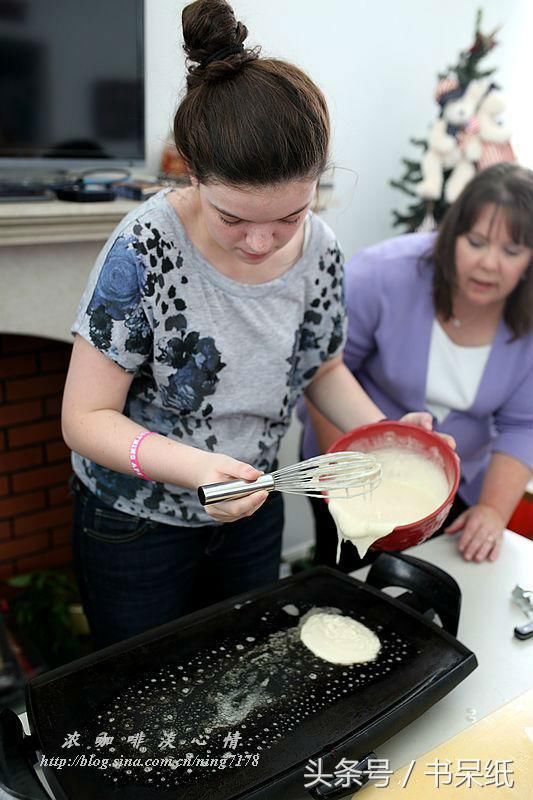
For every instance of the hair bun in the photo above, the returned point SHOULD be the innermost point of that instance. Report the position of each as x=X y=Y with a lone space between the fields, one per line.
x=211 y=34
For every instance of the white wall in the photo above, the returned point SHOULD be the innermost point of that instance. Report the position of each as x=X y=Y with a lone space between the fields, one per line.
x=377 y=62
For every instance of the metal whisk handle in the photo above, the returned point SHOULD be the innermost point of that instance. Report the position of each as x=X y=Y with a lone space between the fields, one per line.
x=231 y=490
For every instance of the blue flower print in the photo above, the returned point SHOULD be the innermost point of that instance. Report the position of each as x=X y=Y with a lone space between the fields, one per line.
x=198 y=362
x=116 y=483
x=309 y=340
x=337 y=334
x=117 y=289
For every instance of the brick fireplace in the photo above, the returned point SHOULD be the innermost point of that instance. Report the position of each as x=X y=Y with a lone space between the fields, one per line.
x=35 y=506
x=46 y=253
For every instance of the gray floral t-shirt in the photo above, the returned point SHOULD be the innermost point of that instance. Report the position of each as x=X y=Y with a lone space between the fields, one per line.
x=218 y=364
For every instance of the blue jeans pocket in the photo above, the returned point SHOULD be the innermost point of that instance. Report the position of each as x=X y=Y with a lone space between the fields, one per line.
x=114 y=527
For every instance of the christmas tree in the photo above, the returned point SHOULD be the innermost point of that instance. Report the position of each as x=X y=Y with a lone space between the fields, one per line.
x=424 y=213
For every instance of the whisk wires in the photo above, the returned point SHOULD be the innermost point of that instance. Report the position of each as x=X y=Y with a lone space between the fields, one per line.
x=337 y=475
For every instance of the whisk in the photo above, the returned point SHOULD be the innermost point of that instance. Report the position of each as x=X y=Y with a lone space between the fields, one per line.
x=344 y=474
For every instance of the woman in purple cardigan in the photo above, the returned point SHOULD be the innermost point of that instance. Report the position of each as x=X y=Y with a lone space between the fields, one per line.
x=445 y=322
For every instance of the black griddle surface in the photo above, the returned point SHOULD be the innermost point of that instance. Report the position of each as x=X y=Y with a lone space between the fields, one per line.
x=235 y=680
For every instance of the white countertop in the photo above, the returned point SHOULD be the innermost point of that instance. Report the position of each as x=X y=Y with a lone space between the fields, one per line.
x=486 y=624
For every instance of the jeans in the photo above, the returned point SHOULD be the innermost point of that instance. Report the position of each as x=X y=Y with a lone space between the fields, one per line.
x=135 y=573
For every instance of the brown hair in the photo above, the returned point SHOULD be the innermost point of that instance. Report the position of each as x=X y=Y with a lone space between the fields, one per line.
x=508 y=187
x=245 y=120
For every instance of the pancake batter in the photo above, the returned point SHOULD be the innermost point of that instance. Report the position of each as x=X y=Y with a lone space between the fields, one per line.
x=339 y=639
x=412 y=486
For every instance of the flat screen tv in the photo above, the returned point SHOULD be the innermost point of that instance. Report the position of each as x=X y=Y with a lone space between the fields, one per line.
x=71 y=84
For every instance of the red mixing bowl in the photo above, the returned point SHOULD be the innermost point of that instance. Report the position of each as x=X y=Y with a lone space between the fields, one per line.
x=400 y=435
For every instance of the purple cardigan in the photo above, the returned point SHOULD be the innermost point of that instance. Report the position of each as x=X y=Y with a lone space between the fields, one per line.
x=391 y=313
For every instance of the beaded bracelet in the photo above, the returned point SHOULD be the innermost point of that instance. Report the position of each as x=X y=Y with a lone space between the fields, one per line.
x=134 y=449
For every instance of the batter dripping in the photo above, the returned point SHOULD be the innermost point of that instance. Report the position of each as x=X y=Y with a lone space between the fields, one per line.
x=412 y=486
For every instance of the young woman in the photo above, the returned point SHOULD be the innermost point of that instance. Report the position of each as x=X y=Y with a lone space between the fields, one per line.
x=445 y=322
x=208 y=313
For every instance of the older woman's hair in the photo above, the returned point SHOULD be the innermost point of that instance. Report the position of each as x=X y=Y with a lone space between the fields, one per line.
x=509 y=187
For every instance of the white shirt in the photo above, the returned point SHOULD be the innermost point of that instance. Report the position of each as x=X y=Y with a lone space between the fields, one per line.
x=454 y=373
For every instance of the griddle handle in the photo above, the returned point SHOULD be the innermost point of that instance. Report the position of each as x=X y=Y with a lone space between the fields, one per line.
x=17 y=776
x=432 y=586
x=329 y=792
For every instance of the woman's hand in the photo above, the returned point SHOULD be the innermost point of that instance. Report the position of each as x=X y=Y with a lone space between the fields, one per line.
x=216 y=468
x=482 y=535
x=423 y=419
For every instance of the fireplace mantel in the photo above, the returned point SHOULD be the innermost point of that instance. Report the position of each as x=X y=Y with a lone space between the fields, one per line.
x=47 y=250
x=51 y=221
